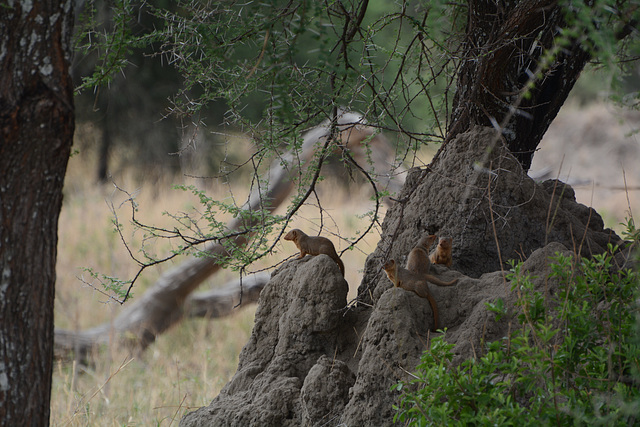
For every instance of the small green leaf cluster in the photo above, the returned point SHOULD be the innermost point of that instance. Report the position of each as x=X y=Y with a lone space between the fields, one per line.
x=258 y=225
x=112 y=286
x=574 y=358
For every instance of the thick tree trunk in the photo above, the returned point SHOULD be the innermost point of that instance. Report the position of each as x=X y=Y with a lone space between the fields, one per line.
x=36 y=130
x=506 y=43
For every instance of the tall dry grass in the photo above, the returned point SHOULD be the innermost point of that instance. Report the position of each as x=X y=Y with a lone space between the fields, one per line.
x=188 y=365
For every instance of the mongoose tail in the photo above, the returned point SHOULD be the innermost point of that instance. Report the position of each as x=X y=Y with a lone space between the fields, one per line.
x=407 y=280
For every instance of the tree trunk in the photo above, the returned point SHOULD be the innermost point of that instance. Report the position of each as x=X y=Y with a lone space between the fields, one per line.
x=506 y=43
x=36 y=128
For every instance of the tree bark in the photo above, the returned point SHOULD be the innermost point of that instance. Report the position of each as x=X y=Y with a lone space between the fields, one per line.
x=505 y=47
x=36 y=131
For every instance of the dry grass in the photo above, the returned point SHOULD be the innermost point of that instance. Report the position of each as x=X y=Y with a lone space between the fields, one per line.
x=187 y=366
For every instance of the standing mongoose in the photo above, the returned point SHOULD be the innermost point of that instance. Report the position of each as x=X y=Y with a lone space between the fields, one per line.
x=410 y=281
x=418 y=259
x=314 y=245
x=443 y=253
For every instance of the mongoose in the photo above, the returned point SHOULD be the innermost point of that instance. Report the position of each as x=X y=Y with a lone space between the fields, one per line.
x=442 y=254
x=314 y=245
x=418 y=259
x=405 y=279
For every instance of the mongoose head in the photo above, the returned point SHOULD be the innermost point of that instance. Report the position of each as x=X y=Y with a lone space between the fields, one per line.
x=427 y=241
x=292 y=235
x=445 y=242
x=389 y=265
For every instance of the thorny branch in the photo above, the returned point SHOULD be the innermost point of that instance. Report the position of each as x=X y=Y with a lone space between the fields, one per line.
x=339 y=130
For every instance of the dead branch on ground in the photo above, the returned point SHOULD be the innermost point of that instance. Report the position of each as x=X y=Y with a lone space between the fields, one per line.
x=168 y=300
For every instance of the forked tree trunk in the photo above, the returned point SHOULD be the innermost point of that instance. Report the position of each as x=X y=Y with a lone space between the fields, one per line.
x=36 y=131
x=504 y=49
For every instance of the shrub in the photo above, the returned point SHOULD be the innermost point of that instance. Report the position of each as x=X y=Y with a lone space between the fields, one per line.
x=573 y=360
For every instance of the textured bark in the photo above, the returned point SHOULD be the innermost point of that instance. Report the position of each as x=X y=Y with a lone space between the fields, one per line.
x=505 y=44
x=36 y=130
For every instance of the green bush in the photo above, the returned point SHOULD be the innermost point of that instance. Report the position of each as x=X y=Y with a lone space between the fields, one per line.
x=574 y=359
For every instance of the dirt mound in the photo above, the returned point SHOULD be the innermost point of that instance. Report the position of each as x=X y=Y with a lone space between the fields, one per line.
x=313 y=361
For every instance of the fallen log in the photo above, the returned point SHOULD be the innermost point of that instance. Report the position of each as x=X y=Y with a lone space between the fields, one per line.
x=209 y=304
x=163 y=304
x=222 y=302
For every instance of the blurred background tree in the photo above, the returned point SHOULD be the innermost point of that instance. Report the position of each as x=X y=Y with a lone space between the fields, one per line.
x=128 y=113
x=157 y=77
